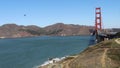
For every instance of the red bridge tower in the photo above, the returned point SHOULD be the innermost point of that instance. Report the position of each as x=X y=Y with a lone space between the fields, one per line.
x=98 y=19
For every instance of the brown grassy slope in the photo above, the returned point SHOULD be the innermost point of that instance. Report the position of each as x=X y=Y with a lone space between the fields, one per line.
x=103 y=55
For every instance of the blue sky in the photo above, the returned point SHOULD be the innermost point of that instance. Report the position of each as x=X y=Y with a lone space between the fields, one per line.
x=47 y=12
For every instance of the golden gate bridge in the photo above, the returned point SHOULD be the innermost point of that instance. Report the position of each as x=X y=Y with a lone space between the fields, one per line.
x=99 y=32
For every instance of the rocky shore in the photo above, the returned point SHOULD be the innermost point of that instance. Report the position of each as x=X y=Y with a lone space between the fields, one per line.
x=105 y=54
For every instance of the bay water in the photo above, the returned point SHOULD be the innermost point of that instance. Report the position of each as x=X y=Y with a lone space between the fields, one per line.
x=34 y=51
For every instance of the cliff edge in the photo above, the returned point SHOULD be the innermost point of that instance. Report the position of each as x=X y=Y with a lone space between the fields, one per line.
x=102 y=55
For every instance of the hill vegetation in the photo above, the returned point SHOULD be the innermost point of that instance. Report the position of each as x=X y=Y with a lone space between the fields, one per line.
x=105 y=54
x=59 y=29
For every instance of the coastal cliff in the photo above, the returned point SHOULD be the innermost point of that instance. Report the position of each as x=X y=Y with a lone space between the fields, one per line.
x=105 y=54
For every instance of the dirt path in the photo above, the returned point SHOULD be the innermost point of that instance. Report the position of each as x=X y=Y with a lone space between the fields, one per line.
x=66 y=65
x=117 y=41
x=103 y=58
x=60 y=65
x=55 y=66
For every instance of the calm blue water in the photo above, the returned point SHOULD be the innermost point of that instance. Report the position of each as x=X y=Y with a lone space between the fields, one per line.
x=31 y=52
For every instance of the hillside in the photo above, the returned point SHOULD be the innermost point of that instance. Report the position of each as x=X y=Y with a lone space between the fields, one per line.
x=13 y=31
x=68 y=29
x=59 y=29
x=102 y=55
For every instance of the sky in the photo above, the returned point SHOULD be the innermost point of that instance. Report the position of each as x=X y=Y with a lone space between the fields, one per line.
x=47 y=12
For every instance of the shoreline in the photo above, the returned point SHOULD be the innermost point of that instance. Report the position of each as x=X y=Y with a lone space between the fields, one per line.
x=40 y=36
x=99 y=54
x=57 y=61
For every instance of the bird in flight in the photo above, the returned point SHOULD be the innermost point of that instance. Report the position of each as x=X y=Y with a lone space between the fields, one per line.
x=24 y=14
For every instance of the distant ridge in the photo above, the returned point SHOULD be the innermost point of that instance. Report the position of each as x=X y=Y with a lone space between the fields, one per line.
x=59 y=29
